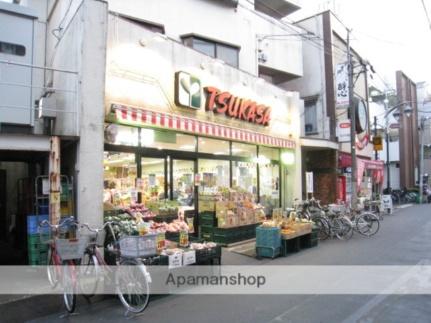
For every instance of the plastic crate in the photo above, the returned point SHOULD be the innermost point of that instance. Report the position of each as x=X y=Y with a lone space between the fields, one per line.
x=207 y=236
x=267 y=252
x=268 y=237
x=139 y=246
x=207 y=219
x=37 y=257
x=290 y=246
x=33 y=222
x=34 y=243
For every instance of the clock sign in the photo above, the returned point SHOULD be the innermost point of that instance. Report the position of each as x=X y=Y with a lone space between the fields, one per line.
x=361 y=116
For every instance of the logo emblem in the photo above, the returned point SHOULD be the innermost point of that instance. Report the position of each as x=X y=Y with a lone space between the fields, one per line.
x=188 y=90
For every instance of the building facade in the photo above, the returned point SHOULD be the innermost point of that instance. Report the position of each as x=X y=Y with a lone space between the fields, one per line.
x=148 y=104
x=325 y=134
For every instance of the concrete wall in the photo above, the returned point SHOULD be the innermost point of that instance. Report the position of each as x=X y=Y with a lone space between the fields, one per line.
x=238 y=26
x=80 y=46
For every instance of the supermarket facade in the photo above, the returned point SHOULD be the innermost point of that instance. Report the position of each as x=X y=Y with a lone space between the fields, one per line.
x=180 y=125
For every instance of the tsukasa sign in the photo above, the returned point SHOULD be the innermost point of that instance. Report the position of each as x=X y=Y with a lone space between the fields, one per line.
x=223 y=102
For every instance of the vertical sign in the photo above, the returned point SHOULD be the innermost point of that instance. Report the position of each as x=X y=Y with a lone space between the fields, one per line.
x=309 y=182
x=342 y=85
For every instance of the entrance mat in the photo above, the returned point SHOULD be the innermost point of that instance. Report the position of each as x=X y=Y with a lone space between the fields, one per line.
x=247 y=249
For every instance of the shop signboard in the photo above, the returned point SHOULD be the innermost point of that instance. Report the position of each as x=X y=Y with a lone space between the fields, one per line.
x=309 y=182
x=386 y=204
x=343 y=130
x=377 y=142
x=342 y=86
x=187 y=90
x=222 y=102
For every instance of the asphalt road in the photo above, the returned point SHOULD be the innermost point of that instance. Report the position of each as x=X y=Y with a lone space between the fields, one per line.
x=404 y=239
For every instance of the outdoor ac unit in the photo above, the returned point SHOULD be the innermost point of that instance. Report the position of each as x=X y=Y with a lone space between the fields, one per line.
x=48 y=107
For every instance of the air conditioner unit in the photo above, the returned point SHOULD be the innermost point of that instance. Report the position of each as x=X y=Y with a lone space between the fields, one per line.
x=47 y=107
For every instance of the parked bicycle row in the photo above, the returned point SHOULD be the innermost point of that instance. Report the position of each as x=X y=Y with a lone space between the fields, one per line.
x=339 y=221
x=77 y=266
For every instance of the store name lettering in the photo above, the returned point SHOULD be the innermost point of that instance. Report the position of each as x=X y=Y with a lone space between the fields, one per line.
x=235 y=107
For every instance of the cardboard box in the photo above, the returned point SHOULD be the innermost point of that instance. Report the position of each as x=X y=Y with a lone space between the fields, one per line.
x=189 y=257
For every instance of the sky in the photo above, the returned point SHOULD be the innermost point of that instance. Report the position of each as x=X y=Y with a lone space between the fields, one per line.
x=392 y=34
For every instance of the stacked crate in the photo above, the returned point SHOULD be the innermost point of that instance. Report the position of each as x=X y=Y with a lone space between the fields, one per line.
x=268 y=242
x=37 y=249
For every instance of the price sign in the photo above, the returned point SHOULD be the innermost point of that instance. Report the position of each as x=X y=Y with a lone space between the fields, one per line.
x=160 y=241
x=184 y=239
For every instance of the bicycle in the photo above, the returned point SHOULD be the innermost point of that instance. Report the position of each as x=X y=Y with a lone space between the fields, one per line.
x=132 y=286
x=61 y=261
x=366 y=223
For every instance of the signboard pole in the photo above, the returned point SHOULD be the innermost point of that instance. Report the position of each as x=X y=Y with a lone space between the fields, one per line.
x=352 y=124
x=54 y=180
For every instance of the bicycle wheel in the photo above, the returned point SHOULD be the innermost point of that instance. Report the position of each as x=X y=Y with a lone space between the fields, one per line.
x=51 y=269
x=132 y=283
x=324 y=229
x=367 y=224
x=69 y=285
x=89 y=274
x=343 y=228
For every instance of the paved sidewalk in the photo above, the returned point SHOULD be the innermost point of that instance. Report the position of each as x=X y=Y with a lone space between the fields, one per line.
x=404 y=239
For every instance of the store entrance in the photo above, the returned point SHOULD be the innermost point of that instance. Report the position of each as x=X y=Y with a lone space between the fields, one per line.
x=183 y=182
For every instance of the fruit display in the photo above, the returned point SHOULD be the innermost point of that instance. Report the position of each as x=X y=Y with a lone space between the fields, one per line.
x=175 y=226
x=200 y=246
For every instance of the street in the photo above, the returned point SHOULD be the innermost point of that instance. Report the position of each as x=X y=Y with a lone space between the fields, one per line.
x=404 y=239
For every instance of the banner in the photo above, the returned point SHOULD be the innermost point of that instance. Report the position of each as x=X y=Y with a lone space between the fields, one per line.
x=342 y=86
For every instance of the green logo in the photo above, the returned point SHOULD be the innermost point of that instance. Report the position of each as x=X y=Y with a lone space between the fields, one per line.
x=188 y=90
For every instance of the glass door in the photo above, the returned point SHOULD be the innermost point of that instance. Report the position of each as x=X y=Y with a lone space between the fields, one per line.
x=183 y=182
x=153 y=179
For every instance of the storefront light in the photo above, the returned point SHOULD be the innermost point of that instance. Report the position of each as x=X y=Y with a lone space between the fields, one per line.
x=288 y=158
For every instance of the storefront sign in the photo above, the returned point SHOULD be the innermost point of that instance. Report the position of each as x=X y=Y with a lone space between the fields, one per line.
x=343 y=131
x=187 y=90
x=223 y=102
x=342 y=85
x=309 y=182
x=386 y=204
x=377 y=142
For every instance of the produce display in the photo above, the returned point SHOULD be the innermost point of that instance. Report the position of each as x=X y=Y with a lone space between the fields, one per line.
x=289 y=225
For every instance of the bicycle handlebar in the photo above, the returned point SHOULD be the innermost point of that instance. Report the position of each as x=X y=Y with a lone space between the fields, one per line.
x=45 y=223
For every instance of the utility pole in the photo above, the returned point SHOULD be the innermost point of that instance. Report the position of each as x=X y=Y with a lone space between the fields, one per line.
x=354 y=181
x=376 y=153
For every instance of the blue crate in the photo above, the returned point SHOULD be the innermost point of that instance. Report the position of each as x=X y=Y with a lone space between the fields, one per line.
x=268 y=237
x=267 y=252
x=33 y=224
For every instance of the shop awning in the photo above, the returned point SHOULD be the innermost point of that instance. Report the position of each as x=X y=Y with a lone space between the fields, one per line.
x=164 y=120
x=377 y=166
x=345 y=160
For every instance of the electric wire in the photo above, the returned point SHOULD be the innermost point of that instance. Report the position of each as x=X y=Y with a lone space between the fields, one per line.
x=426 y=13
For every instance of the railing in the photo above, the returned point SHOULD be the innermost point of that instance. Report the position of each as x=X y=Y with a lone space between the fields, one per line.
x=21 y=85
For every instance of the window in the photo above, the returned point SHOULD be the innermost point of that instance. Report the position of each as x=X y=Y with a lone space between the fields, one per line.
x=310 y=116
x=214 y=174
x=120 y=174
x=213 y=146
x=167 y=140
x=244 y=177
x=12 y=49
x=152 y=183
x=121 y=135
x=269 y=186
x=225 y=52
x=269 y=153
x=243 y=150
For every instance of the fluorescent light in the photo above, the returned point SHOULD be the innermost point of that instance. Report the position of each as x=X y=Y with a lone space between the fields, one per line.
x=236 y=150
x=220 y=153
x=288 y=158
x=187 y=147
